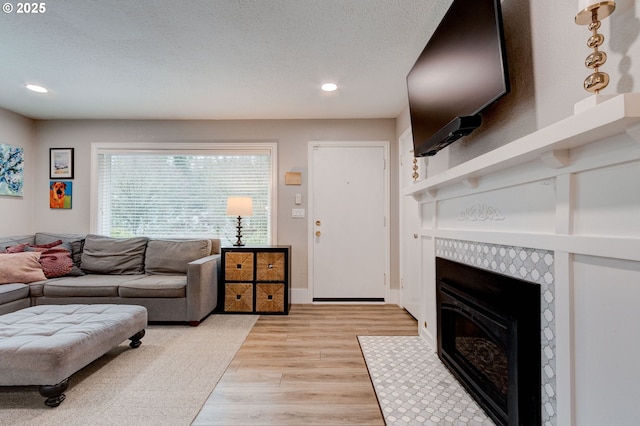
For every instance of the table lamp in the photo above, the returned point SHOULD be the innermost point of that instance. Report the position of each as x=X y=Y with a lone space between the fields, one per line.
x=239 y=206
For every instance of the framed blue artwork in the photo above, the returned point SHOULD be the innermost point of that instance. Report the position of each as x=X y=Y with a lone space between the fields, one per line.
x=11 y=170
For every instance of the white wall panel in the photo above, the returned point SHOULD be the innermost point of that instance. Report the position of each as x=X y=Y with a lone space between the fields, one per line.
x=607 y=202
x=428 y=324
x=523 y=208
x=427 y=213
x=607 y=341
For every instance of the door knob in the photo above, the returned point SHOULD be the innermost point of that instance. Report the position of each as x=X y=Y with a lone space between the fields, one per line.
x=317 y=233
x=317 y=223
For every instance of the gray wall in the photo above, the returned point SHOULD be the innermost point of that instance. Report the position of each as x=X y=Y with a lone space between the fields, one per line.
x=292 y=137
x=17 y=213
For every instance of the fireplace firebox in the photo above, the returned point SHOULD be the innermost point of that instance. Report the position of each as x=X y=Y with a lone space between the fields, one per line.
x=489 y=338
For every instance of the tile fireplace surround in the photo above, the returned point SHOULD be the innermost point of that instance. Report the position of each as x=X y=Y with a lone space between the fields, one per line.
x=559 y=207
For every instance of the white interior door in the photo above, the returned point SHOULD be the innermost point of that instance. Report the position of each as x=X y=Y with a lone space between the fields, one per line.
x=349 y=221
x=409 y=228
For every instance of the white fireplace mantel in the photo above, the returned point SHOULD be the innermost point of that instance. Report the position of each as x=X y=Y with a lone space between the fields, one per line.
x=569 y=189
x=551 y=144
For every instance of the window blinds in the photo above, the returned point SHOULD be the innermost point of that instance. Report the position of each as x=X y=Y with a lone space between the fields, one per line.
x=160 y=194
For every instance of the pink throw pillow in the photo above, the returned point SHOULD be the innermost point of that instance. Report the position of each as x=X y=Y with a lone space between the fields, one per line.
x=55 y=261
x=20 y=268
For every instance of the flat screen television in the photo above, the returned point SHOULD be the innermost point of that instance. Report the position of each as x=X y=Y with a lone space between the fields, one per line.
x=461 y=71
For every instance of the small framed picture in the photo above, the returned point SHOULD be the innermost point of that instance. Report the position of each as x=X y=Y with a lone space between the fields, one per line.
x=61 y=163
x=60 y=194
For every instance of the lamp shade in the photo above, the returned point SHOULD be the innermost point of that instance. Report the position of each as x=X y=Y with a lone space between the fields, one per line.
x=239 y=206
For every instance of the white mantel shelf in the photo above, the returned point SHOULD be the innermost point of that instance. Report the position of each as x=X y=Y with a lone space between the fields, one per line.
x=617 y=115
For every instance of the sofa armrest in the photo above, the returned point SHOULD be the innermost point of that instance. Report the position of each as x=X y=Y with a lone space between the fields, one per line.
x=202 y=287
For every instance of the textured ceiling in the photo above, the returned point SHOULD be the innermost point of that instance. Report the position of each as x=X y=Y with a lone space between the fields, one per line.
x=213 y=59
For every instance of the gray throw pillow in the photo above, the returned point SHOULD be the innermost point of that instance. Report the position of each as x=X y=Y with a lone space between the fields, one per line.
x=170 y=257
x=113 y=256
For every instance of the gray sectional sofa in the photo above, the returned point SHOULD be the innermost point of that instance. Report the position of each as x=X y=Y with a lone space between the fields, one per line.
x=175 y=279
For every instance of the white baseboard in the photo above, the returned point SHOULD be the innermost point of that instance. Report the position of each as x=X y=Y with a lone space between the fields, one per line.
x=301 y=296
x=429 y=338
x=394 y=297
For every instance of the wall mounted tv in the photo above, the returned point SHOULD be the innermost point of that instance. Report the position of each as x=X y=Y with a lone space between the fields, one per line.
x=461 y=71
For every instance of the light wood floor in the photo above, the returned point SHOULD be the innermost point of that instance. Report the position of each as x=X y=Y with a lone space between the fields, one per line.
x=305 y=369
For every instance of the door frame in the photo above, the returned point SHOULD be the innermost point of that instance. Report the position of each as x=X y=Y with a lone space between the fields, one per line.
x=310 y=218
x=405 y=167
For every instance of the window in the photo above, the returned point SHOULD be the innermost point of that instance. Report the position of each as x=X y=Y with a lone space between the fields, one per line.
x=182 y=192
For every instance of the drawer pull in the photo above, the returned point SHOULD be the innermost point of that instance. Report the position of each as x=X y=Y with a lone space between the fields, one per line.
x=239 y=266
x=270 y=266
x=238 y=296
x=270 y=297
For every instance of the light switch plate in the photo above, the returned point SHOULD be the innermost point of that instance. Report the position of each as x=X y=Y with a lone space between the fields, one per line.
x=297 y=213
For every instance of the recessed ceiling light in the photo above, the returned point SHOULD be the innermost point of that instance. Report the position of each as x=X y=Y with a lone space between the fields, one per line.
x=36 y=88
x=329 y=87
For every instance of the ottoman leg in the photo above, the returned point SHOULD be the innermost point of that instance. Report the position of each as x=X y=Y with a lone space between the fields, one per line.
x=53 y=393
x=135 y=339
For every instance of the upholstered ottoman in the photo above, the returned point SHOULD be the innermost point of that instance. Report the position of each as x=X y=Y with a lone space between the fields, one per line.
x=44 y=345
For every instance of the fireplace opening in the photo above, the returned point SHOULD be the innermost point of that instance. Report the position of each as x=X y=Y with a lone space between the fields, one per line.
x=489 y=338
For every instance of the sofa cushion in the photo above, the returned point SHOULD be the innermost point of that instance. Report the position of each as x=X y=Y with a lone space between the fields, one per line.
x=155 y=286
x=48 y=237
x=36 y=288
x=90 y=285
x=170 y=257
x=12 y=241
x=113 y=256
x=11 y=292
x=216 y=244
x=20 y=268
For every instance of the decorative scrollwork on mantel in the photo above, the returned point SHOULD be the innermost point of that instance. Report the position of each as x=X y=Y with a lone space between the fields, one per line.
x=479 y=213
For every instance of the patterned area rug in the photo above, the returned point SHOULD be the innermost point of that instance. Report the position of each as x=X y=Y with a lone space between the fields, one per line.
x=414 y=387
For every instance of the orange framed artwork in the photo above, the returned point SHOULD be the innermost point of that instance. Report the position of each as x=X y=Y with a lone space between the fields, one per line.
x=60 y=194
